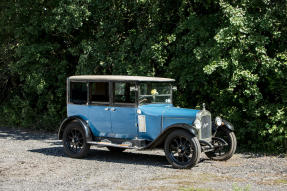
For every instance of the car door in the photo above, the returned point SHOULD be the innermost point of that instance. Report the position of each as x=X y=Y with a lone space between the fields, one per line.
x=123 y=111
x=99 y=113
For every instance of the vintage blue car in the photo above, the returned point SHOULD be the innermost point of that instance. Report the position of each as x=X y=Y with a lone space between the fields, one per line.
x=135 y=112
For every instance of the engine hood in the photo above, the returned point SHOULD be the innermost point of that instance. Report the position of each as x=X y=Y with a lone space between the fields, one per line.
x=167 y=110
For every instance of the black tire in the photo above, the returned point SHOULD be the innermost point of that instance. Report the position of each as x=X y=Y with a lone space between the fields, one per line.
x=74 y=141
x=222 y=153
x=182 y=149
x=116 y=149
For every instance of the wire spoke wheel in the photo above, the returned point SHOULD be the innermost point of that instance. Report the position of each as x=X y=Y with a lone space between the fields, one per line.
x=74 y=141
x=224 y=144
x=182 y=150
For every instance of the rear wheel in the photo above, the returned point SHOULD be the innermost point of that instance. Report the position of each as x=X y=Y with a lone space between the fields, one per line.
x=116 y=149
x=74 y=141
x=182 y=149
x=224 y=145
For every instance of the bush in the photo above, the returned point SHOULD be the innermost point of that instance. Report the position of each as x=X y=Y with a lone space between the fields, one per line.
x=228 y=54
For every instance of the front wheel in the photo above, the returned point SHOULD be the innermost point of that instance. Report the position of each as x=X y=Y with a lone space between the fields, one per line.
x=224 y=144
x=74 y=141
x=182 y=149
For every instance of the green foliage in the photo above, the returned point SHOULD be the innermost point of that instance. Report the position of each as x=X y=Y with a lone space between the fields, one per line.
x=231 y=55
x=250 y=56
x=235 y=187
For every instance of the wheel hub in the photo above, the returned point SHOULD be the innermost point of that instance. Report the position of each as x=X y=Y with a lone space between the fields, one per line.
x=181 y=150
x=75 y=141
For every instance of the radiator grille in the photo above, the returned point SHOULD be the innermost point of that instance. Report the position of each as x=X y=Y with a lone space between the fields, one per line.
x=205 y=126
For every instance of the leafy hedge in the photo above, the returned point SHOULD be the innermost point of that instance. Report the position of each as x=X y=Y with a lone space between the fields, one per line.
x=232 y=55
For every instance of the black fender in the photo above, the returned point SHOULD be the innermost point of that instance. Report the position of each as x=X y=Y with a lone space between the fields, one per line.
x=83 y=123
x=227 y=125
x=160 y=139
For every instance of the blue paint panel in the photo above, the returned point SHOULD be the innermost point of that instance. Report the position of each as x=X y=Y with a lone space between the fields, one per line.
x=171 y=121
x=175 y=115
x=153 y=113
x=99 y=120
x=160 y=116
x=153 y=127
x=180 y=112
x=77 y=110
x=124 y=122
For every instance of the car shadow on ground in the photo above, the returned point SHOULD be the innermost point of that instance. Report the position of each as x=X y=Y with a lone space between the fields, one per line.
x=126 y=157
x=102 y=155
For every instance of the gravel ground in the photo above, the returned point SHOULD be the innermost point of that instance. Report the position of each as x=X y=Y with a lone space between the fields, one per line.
x=35 y=161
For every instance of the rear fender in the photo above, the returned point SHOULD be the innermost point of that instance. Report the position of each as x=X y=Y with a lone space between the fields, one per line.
x=83 y=123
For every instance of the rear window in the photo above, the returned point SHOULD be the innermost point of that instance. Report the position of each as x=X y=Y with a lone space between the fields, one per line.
x=78 y=92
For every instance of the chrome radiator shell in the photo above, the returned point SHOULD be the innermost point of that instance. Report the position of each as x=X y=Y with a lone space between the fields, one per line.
x=205 y=131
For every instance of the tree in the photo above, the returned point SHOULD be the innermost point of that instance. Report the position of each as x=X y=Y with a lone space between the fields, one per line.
x=229 y=54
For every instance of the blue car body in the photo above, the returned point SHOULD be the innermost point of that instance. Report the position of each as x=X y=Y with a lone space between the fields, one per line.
x=123 y=122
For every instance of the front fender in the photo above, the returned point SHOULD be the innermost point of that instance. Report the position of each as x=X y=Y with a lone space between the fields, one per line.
x=83 y=123
x=228 y=125
x=160 y=139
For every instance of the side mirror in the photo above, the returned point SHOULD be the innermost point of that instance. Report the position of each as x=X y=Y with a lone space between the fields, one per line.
x=133 y=88
x=174 y=88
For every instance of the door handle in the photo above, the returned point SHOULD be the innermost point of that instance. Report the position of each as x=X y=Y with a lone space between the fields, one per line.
x=107 y=109
x=113 y=109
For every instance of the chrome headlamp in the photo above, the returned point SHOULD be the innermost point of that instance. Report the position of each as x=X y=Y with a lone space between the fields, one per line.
x=197 y=124
x=218 y=121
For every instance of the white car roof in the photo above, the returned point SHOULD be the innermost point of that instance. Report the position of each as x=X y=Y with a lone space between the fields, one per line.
x=120 y=78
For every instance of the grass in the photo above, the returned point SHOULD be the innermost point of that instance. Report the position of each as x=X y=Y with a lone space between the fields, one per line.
x=238 y=188
x=280 y=181
x=191 y=179
x=234 y=188
x=196 y=189
x=188 y=182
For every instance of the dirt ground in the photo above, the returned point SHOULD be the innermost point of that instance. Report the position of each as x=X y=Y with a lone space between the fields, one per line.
x=35 y=161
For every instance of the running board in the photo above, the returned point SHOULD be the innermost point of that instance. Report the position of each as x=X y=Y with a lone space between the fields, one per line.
x=108 y=144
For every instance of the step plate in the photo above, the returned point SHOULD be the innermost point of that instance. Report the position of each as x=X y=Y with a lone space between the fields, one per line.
x=107 y=144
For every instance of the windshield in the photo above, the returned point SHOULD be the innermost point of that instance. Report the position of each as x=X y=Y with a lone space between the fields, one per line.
x=154 y=92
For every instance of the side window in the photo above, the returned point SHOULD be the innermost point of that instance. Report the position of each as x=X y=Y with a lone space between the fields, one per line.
x=122 y=93
x=78 y=92
x=99 y=92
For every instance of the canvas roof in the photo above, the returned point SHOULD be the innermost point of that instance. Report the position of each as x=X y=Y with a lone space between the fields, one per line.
x=120 y=78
